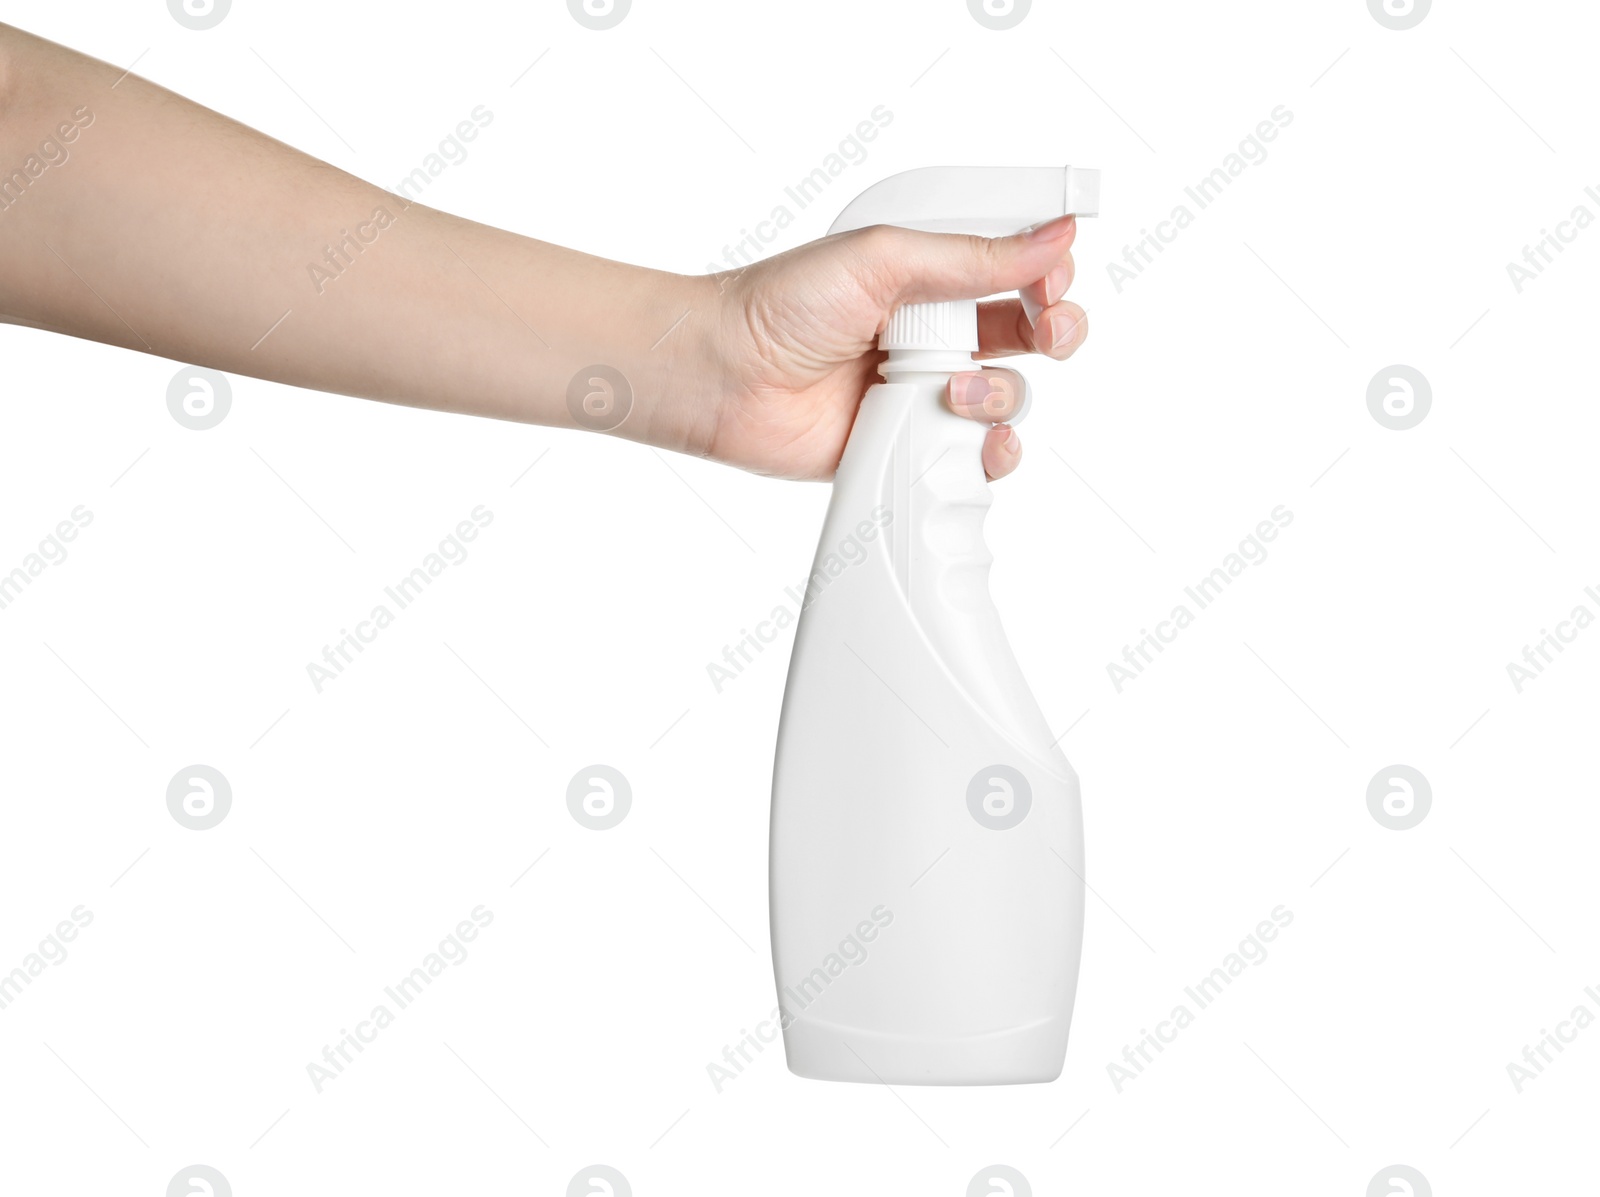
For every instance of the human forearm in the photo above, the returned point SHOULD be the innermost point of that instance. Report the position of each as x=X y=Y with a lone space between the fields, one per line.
x=165 y=227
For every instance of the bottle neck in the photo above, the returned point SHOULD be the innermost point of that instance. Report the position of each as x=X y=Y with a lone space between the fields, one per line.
x=915 y=365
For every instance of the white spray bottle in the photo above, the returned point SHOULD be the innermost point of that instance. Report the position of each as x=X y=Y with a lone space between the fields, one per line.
x=927 y=855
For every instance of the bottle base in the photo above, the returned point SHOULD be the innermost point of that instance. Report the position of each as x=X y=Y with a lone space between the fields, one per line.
x=1028 y=1055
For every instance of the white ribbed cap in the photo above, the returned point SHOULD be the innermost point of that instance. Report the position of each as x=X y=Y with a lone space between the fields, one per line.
x=952 y=324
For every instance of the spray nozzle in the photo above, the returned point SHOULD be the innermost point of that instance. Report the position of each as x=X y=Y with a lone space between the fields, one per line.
x=986 y=201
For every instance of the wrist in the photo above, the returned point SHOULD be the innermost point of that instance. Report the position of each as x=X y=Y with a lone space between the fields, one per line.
x=675 y=369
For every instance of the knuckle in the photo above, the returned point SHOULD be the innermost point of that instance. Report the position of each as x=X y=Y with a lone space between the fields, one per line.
x=876 y=238
x=985 y=255
x=878 y=257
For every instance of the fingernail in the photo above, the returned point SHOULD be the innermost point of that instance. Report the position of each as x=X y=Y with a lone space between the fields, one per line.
x=1051 y=230
x=1062 y=329
x=1012 y=444
x=969 y=390
x=1055 y=285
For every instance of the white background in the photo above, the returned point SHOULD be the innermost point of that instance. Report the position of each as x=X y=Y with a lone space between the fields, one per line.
x=1231 y=777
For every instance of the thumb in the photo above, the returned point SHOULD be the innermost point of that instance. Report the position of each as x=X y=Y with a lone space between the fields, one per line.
x=905 y=266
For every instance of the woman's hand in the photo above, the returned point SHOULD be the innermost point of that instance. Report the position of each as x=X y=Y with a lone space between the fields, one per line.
x=797 y=337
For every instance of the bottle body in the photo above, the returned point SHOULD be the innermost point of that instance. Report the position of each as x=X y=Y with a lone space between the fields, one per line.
x=926 y=856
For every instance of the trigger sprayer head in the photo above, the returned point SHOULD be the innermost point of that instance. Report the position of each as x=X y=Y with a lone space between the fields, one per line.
x=985 y=201
x=988 y=201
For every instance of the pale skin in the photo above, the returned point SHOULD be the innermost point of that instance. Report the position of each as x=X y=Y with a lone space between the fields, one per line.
x=166 y=228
